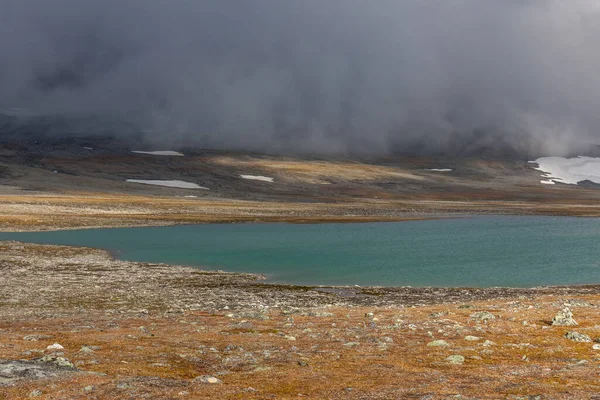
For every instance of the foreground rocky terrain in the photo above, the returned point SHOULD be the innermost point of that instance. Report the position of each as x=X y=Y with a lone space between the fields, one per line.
x=75 y=323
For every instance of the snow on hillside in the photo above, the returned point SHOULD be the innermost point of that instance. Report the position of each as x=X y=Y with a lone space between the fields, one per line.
x=160 y=153
x=568 y=170
x=257 y=178
x=175 y=184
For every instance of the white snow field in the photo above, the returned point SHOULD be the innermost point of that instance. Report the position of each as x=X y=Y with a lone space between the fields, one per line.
x=160 y=153
x=174 y=184
x=257 y=178
x=438 y=169
x=568 y=170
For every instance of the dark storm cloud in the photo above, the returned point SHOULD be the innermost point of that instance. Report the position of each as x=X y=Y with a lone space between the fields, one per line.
x=313 y=75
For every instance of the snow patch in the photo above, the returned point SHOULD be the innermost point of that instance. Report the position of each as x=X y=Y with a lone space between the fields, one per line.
x=88 y=148
x=439 y=169
x=569 y=170
x=257 y=178
x=175 y=184
x=160 y=153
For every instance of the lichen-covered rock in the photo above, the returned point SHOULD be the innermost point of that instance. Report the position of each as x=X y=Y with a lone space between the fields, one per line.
x=564 y=318
x=483 y=316
x=58 y=361
x=45 y=367
x=456 y=359
x=438 y=343
x=578 y=337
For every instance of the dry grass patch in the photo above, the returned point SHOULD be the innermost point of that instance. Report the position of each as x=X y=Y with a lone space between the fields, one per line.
x=317 y=172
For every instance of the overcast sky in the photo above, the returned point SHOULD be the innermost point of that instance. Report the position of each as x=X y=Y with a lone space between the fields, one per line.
x=313 y=75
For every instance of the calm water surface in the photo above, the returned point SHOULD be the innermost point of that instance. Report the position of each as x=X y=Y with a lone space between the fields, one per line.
x=480 y=251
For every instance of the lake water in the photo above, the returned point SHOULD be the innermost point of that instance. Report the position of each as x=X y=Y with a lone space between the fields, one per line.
x=480 y=251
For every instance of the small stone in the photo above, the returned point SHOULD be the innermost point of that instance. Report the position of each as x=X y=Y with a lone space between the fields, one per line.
x=596 y=346
x=578 y=337
x=351 y=344
x=438 y=343
x=455 y=359
x=124 y=386
x=564 y=318
x=35 y=393
x=55 y=346
x=302 y=363
x=471 y=338
x=88 y=389
x=488 y=343
x=207 y=379
x=369 y=315
x=291 y=338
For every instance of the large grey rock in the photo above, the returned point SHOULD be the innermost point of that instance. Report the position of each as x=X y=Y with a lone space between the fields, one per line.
x=45 y=367
x=564 y=318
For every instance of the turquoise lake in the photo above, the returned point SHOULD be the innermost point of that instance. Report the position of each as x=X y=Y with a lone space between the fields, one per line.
x=480 y=251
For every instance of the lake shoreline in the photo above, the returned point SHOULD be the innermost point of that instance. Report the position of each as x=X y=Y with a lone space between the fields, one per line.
x=478 y=251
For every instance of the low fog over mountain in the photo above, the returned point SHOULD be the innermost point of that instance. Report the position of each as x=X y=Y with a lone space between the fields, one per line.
x=325 y=76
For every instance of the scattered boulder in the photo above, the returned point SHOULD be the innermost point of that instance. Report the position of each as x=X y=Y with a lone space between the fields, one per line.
x=564 y=318
x=456 y=359
x=488 y=343
x=482 y=316
x=578 y=337
x=35 y=393
x=596 y=346
x=207 y=379
x=58 y=361
x=351 y=344
x=471 y=338
x=438 y=343
x=89 y=349
x=55 y=346
x=33 y=338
